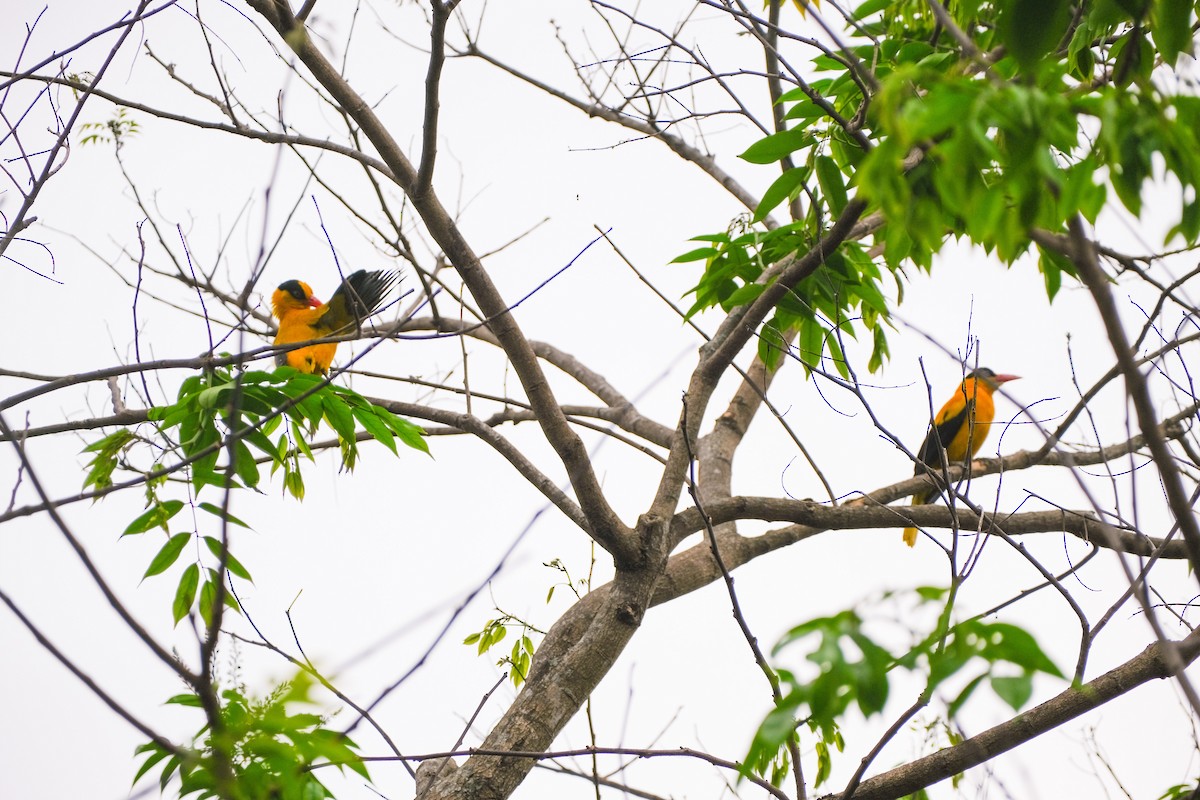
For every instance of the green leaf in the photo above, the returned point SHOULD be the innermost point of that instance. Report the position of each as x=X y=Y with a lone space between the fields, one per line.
x=743 y=296
x=293 y=482
x=1014 y=691
x=715 y=238
x=339 y=416
x=871 y=7
x=168 y=770
x=167 y=554
x=783 y=189
x=410 y=434
x=244 y=464
x=258 y=438
x=1134 y=57
x=225 y=515
x=836 y=354
x=198 y=434
x=699 y=254
x=777 y=146
x=1016 y=645
x=1189 y=224
x=208 y=594
x=803 y=109
x=204 y=472
x=824 y=764
x=811 y=342
x=104 y=463
x=932 y=593
x=231 y=563
x=301 y=444
x=155 y=756
x=111 y=443
x=1172 y=28
x=185 y=593
x=375 y=426
x=1053 y=265
x=879 y=351
x=211 y=397
x=156 y=516
x=957 y=703
x=771 y=736
x=832 y=182
x=1032 y=28
x=185 y=700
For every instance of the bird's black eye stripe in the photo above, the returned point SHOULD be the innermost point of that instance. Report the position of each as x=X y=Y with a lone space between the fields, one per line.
x=295 y=290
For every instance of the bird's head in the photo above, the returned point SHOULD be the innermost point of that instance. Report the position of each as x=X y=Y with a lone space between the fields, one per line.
x=292 y=295
x=991 y=379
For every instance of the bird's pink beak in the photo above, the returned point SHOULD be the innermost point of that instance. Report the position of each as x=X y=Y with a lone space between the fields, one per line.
x=314 y=302
x=1006 y=378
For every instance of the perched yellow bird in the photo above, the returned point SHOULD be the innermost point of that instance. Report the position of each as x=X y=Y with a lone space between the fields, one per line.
x=959 y=428
x=303 y=317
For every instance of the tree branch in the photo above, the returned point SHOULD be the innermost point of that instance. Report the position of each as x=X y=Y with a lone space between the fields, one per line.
x=603 y=524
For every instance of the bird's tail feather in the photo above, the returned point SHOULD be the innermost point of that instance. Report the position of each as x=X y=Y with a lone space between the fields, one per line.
x=910 y=534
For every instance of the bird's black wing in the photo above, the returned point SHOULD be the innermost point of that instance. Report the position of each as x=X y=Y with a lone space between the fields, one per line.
x=357 y=298
x=937 y=439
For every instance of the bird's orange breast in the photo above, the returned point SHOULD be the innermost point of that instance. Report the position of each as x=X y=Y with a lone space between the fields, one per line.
x=301 y=325
x=975 y=400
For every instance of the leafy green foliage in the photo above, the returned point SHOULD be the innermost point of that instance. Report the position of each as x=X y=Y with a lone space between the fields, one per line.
x=1180 y=791
x=116 y=130
x=221 y=415
x=1030 y=29
x=156 y=516
x=216 y=420
x=521 y=654
x=998 y=158
x=107 y=456
x=185 y=592
x=996 y=647
x=944 y=141
x=258 y=749
x=816 y=310
x=168 y=554
x=196 y=582
x=849 y=667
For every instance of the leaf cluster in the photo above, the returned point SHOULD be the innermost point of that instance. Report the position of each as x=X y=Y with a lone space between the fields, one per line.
x=821 y=311
x=225 y=409
x=195 y=580
x=964 y=146
x=519 y=657
x=852 y=668
x=216 y=419
x=117 y=129
x=107 y=455
x=1053 y=106
x=258 y=749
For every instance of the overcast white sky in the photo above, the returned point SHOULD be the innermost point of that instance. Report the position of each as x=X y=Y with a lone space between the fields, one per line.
x=372 y=562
